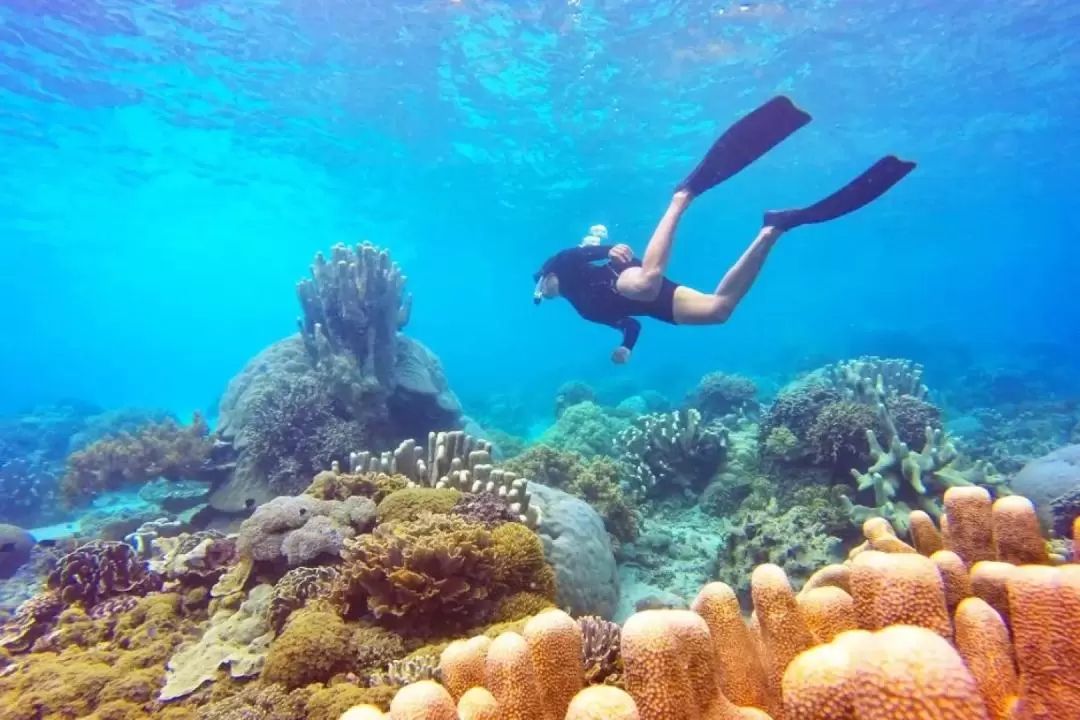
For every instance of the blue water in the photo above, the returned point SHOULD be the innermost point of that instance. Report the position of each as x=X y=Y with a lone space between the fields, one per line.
x=169 y=169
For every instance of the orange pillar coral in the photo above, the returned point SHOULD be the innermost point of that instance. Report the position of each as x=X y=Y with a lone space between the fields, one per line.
x=1045 y=607
x=968 y=524
x=742 y=676
x=891 y=589
x=906 y=672
x=555 y=641
x=983 y=642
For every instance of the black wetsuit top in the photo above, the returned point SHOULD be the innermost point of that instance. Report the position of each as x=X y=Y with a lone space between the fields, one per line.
x=591 y=290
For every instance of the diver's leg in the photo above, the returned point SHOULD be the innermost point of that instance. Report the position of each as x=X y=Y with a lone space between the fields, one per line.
x=858 y=193
x=643 y=283
x=691 y=307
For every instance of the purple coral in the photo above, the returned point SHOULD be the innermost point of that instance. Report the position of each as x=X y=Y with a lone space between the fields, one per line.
x=302 y=528
x=99 y=570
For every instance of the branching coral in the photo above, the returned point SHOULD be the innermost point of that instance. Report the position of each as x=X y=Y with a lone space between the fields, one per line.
x=786 y=422
x=664 y=452
x=295 y=426
x=898 y=475
x=166 y=449
x=453 y=460
x=355 y=302
x=838 y=434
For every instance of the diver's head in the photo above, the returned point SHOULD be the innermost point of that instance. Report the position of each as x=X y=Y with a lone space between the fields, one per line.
x=547 y=287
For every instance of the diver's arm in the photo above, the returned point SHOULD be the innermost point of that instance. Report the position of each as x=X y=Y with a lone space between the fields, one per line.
x=630 y=328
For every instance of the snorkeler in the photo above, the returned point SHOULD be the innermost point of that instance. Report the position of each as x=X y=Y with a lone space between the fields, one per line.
x=615 y=292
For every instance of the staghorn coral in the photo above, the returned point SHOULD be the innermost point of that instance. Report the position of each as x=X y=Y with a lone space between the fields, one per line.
x=665 y=452
x=300 y=528
x=98 y=570
x=166 y=449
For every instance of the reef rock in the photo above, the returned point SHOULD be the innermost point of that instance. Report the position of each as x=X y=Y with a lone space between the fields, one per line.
x=288 y=417
x=17 y=544
x=578 y=547
x=1050 y=480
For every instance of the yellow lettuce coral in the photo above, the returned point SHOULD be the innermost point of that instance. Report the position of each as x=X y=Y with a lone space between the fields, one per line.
x=418 y=576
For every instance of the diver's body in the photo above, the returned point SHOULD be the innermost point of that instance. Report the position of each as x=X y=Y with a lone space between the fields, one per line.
x=614 y=293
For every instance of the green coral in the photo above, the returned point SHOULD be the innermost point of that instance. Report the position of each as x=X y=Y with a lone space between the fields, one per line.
x=796 y=532
x=585 y=428
x=719 y=394
x=596 y=481
x=781 y=444
x=313 y=646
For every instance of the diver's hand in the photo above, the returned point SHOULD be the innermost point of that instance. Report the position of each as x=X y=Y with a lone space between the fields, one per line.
x=620 y=356
x=621 y=254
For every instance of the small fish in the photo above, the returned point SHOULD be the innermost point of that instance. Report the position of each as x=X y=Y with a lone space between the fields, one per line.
x=249 y=503
x=47 y=543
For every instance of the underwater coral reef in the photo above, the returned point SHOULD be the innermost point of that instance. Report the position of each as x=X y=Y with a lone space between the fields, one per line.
x=346 y=542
